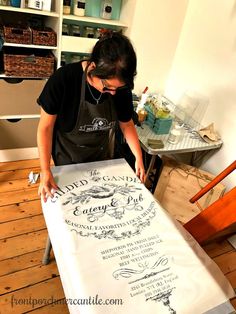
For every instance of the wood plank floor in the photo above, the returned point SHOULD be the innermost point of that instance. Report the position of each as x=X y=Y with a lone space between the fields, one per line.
x=26 y=286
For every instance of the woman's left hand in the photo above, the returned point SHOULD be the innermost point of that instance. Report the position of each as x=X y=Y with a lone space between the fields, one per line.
x=131 y=136
x=140 y=170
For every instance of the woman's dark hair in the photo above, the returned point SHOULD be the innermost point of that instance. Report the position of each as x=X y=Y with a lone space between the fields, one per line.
x=114 y=56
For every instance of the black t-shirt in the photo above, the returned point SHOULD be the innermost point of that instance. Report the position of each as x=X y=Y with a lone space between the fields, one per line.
x=61 y=96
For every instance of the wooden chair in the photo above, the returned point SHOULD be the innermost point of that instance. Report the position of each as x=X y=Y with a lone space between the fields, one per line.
x=219 y=216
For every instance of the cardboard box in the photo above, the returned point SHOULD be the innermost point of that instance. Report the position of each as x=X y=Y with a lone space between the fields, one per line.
x=179 y=182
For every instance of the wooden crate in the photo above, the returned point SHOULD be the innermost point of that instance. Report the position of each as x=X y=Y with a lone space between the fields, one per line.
x=178 y=182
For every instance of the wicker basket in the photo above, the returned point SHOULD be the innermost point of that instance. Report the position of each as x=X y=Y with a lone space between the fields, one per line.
x=44 y=36
x=18 y=34
x=21 y=63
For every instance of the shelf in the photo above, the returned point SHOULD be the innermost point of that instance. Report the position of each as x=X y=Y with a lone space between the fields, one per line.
x=26 y=10
x=77 y=44
x=19 y=94
x=29 y=46
x=3 y=76
x=94 y=20
x=20 y=116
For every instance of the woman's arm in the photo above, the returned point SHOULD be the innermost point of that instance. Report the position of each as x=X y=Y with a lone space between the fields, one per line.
x=130 y=134
x=44 y=140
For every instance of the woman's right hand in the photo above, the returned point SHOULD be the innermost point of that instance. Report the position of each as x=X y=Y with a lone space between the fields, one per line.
x=47 y=185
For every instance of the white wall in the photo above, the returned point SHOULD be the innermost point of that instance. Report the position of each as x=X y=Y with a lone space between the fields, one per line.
x=155 y=30
x=205 y=60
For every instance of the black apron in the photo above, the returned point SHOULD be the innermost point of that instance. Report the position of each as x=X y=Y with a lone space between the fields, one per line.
x=90 y=138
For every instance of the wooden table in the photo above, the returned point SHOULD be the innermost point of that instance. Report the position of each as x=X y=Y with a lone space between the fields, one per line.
x=115 y=244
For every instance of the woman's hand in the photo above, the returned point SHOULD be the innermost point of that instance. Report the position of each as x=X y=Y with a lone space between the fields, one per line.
x=47 y=185
x=130 y=134
x=140 y=170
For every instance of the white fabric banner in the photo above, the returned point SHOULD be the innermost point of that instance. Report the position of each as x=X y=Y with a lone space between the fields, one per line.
x=115 y=245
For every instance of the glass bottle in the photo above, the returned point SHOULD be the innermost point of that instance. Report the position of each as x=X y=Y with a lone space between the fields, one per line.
x=89 y=32
x=106 y=9
x=98 y=32
x=175 y=134
x=65 y=29
x=66 y=6
x=75 y=30
x=75 y=58
x=79 y=7
x=63 y=60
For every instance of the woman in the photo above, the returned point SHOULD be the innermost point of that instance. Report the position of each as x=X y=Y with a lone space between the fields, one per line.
x=80 y=105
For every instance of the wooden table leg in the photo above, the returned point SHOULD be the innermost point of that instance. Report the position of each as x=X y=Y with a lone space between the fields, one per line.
x=150 y=167
x=46 y=256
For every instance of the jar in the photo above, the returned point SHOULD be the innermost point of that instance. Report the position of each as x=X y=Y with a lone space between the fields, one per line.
x=63 y=59
x=65 y=29
x=66 y=6
x=175 y=134
x=142 y=114
x=75 y=58
x=106 y=9
x=98 y=33
x=79 y=7
x=75 y=30
x=93 y=8
x=89 y=32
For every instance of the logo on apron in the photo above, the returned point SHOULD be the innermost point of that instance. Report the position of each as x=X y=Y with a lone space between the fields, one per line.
x=98 y=124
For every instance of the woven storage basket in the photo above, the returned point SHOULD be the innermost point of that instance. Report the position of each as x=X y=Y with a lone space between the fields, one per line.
x=44 y=36
x=18 y=34
x=25 y=63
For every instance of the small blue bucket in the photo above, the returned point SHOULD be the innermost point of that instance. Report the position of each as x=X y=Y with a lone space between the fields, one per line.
x=15 y=3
